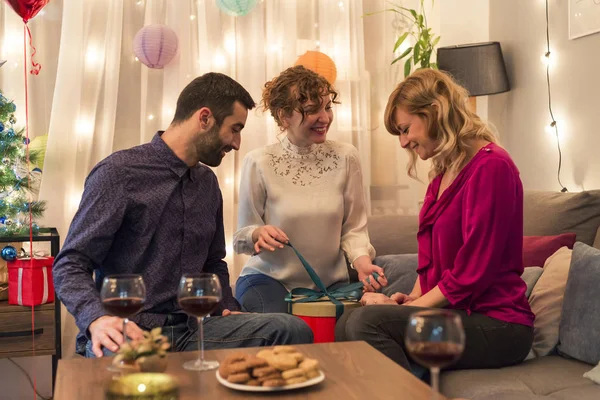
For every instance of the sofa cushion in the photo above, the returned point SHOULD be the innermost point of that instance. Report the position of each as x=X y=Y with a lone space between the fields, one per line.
x=394 y=234
x=537 y=249
x=531 y=276
x=546 y=301
x=580 y=321
x=553 y=213
x=551 y=377
x=400 y=271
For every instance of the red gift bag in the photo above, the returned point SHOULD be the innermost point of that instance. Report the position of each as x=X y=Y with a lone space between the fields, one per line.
x=30 y=282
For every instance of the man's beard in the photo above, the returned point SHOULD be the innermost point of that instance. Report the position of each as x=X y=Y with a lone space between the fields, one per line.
x=209 y=147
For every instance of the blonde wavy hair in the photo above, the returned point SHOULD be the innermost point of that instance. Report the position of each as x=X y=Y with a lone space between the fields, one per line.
x=434 y=96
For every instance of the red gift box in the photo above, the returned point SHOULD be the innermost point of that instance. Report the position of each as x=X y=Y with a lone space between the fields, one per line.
x=30 y=282
x=320 y=317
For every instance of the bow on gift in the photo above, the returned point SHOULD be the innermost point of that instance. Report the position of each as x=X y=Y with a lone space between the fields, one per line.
x=351 y=292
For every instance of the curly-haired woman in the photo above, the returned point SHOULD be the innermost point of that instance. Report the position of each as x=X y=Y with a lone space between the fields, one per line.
x=305 y=189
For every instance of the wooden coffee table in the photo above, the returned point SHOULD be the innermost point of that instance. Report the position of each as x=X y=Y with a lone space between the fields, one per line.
x=353 y=370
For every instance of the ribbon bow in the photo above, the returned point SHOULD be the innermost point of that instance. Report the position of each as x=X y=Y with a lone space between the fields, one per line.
x=350 y=292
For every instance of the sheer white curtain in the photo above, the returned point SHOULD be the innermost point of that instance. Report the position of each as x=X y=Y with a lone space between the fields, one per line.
x=94 y=98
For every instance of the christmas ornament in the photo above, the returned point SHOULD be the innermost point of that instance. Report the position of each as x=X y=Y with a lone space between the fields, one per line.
x=236 y=8
x=155 y=45
x=9 y=253
x=319 y=63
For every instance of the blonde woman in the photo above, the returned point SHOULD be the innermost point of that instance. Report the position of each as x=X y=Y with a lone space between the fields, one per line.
x=307 y=190
x=470 y=231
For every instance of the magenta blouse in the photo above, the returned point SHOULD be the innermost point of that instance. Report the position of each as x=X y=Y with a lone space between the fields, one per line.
x=471 y=239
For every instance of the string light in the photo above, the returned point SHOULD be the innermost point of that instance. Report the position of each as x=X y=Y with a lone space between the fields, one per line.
x=553 y=124
x=192 y=17
x=151 y=117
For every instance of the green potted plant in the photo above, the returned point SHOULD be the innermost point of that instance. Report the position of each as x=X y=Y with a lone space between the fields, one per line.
x=145 y=355
x=419 y=55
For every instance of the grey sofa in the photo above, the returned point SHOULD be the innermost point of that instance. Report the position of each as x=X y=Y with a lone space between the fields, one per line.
x=550 y=377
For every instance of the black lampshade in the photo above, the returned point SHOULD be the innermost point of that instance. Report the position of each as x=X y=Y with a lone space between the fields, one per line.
x=479 y=67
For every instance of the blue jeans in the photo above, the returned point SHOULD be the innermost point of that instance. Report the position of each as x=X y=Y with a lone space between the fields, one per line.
x=262 y=294
x=245 y=330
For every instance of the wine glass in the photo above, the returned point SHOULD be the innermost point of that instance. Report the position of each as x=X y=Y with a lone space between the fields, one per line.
x=123 y=296
x=199 y=295
x=435 y=339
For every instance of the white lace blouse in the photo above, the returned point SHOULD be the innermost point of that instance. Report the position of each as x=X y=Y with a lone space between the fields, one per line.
x=315 y=195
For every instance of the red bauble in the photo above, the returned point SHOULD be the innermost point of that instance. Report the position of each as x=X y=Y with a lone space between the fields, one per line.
x=27 y=9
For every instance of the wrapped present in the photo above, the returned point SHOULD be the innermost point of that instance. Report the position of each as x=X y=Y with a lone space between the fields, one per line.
x=30 y=281
x=320 y=316
x=321 y=308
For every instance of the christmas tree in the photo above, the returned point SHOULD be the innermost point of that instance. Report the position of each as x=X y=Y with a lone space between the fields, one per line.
x=19 y=183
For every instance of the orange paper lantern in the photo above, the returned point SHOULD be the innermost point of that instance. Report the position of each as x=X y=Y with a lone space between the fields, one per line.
x=319 y=63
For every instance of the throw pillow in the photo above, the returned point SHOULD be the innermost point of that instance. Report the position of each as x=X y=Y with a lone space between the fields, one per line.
x=580 y=320
x=400 y=271
x=531 y=276
x=546 y=301
x=537 y=249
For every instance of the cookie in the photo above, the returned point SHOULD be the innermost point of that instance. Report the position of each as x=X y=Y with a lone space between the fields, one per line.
x=274 y=383
x=308 y=364
x=263 y=371
x=283 y=362
x=239 y=378
x=256 y=362
x=313 y=373
x=234 y=357
x=292 y=373
x=265 y=354
x=284 y=349
x=224 y=370
x=275 y=375
x=237 y=367
x=298 y=379
x=298 y=356
x=253 y=382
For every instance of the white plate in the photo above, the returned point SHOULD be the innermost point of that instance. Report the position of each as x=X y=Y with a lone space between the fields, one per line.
x=248 y=388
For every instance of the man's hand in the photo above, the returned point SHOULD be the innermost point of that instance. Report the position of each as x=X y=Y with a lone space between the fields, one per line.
x=107 y=332
x=365 y=269
x=268 y=237
x=377 y=299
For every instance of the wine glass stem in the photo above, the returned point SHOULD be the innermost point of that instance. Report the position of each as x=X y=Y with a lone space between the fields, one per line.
x=435 y=380
x=125 y=321
x=201 y=339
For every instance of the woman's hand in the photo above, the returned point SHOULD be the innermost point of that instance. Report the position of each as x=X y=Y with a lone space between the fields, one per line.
x=365 y=269
x=268 y=237
x=402 y=298
x=377 y=299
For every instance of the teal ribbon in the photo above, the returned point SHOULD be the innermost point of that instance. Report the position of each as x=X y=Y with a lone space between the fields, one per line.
x=350 y=292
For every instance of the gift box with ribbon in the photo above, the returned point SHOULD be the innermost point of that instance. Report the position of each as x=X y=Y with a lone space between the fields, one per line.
x=30 y=281
x=321 y=308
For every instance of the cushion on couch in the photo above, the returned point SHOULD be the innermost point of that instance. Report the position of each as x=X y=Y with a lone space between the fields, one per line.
x=537 y=249
x=551 y=377
x=546 y=301
x=394 y=234
x=531 y=276
x=553 y=213
x=400 y=271
x=580 y=320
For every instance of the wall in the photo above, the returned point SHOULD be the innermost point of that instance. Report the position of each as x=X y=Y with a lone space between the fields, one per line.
x=522 y=114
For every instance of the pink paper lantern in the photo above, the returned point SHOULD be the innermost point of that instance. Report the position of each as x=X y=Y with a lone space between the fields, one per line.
x=155 y=45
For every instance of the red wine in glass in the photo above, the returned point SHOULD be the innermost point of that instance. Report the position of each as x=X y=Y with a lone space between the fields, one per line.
x=433 y=354
x=198 y=295
x=123 y=307
x=123 y=296
x=435 y=338
x=199 y=306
